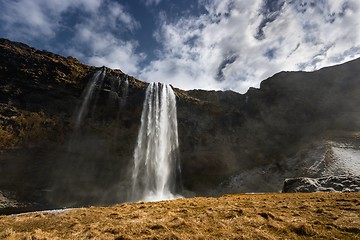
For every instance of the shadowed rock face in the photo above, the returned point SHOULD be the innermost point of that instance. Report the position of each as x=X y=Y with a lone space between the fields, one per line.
x=40 y=93
x=296 y=124
x=287 y=128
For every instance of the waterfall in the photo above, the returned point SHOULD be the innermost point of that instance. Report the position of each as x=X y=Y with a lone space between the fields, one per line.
x=96 y=79
x=123 y=91
x=156 y=152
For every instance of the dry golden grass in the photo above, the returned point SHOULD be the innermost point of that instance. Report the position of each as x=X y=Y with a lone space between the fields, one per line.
x=258 y=216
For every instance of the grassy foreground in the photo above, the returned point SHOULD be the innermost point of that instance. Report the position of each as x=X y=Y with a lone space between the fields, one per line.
x=246 y=216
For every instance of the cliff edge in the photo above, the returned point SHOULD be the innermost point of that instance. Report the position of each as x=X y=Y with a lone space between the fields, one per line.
x=296 y=124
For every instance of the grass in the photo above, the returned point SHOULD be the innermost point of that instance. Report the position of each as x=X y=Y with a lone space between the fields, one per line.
x=246 y=216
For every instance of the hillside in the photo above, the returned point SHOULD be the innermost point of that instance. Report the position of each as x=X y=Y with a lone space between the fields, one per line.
x=297 y=124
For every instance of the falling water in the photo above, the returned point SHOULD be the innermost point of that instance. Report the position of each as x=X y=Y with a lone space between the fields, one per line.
x=123 y=90
x=96 y=79
x=155 y=156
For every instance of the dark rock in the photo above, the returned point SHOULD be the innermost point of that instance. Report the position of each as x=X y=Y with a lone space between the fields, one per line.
x=324 y=184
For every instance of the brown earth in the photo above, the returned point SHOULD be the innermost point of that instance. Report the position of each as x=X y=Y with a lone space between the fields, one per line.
x=246 y=216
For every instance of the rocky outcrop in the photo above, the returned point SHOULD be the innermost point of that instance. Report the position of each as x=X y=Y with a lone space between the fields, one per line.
x=296 y=124
x=325 y=184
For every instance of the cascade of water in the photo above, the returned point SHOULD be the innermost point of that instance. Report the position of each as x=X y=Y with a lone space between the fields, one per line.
x=156 y=153
x=96 y=79
x=123 y=89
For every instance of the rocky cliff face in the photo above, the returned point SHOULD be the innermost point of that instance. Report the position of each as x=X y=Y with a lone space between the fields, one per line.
x=40 y=93
x=296 y=124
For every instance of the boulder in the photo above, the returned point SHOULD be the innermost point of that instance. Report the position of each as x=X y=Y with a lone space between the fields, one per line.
x=344 y=183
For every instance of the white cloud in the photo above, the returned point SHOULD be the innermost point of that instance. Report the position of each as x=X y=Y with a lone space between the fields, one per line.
x=28 y=19
x=41 y=18
x=152 y=2
x=116 y=17
x=104 y=49
x=97 y=38
x=221 y=44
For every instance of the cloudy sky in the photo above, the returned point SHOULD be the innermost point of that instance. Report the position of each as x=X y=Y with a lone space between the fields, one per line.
x=207 y=44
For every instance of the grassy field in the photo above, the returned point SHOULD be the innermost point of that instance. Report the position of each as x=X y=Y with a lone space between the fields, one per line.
x=245 y=216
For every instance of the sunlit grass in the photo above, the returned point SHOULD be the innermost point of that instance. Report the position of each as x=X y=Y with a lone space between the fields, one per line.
x=256 y=216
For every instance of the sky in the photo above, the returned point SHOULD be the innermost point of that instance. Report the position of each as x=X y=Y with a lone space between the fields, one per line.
x=191 y=44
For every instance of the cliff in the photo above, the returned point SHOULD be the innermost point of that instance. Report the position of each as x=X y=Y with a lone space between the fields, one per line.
x=296 y=124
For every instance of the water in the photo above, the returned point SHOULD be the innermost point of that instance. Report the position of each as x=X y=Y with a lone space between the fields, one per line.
x=156 y=153
x=96 y=79
x=123 y=91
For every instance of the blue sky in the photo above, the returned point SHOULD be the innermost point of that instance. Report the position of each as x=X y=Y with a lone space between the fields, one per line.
x=207 y=44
